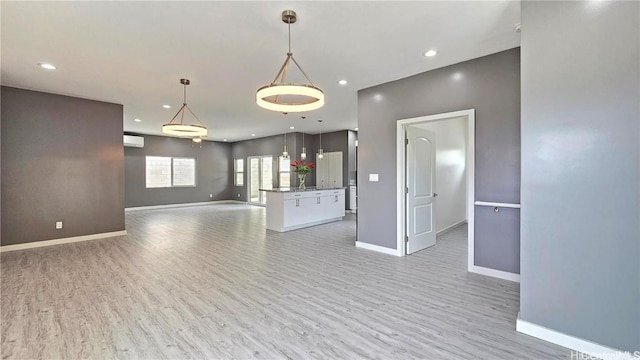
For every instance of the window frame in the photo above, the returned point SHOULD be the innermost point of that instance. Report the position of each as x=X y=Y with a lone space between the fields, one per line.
x=282 y=172
x=237 y=171
x=195 y=172
x=171 y=172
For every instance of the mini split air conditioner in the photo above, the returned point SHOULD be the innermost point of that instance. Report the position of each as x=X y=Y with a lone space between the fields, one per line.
x=133 y=141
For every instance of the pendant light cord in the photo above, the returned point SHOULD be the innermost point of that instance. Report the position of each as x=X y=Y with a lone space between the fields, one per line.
x=289 y=24
x=184 y=106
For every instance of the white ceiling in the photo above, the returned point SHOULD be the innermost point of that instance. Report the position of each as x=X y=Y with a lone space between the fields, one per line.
x=134 y=53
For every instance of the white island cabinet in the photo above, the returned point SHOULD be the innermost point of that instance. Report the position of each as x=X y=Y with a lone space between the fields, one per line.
x=290 y=209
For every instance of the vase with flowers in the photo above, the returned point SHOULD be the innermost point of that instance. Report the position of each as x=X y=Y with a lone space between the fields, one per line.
x=302 y=168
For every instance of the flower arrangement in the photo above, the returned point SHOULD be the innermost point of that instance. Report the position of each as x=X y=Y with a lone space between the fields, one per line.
x=302 y=167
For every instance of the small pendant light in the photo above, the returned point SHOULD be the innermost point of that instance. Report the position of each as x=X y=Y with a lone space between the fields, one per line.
x=320 y=151
x=303 y=154
x=285 y=153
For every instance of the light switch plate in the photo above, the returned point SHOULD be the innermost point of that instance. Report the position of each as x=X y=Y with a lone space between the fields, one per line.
x=58 y=224
x=373 y=177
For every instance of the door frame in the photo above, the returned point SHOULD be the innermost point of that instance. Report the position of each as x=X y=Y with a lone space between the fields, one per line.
x=259 y=157
x=470 y=171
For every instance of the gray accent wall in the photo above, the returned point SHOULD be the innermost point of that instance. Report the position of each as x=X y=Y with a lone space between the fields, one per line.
x=62 y=160
x=496 y=230
x=353 y=158
x=580 y=220
x=490 y=85
x=214 y=171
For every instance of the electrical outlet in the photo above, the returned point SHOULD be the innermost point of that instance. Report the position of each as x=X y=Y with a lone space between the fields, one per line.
x=58 y=225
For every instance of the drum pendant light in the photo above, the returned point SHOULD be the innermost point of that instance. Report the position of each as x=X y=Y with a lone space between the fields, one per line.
x=289 y=97
x=180 y=128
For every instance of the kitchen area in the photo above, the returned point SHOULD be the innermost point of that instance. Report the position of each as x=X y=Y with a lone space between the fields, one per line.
x=330 y=190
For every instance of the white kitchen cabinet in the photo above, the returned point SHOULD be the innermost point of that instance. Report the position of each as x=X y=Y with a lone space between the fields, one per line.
x=290 y=210
x=329 y=170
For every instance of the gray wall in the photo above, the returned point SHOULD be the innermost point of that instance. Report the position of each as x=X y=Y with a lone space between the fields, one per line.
x=62 y=160
x=213 y=170
x=491 y=85
x=581 y=169
x=494 y=245
x=352 y=160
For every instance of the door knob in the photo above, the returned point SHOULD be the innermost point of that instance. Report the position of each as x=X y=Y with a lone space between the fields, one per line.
x=435 y=194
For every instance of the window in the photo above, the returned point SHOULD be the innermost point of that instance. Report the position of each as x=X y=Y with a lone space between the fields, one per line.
x=164 y=171
x=158 y=171
x=184 y=172
x=238 y=172
x=284 y=172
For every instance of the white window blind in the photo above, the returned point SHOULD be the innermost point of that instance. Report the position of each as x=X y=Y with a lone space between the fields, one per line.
x=184 y=172
x=158 y=171
x=238 y=172
x=284 y=171
x=164 y=171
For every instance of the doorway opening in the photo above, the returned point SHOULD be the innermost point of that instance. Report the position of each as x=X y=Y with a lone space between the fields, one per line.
x=260 y=176
x=417 y=186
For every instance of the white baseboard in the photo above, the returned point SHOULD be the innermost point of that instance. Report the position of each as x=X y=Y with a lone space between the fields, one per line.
x=306 y=225
x=377 y=248
x=584 y=346
x=495 y=273
x=169 y=206
x=37 y=244
x=451 y=227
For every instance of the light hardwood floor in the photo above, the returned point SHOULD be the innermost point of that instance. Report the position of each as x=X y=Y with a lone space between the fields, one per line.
x=211 y=282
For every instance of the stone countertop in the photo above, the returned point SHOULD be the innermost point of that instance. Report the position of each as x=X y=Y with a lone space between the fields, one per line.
x=295 y=189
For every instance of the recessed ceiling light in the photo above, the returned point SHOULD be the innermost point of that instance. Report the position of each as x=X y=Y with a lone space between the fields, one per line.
x=224 y=139
x=166 y=106
x=137 y=120
x=342 y=82
x=47 y=66
x=356 y=129
x=253 y=134
x=291 y=127
x=431 y=53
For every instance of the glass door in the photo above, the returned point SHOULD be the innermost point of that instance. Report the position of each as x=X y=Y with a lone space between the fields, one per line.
x=260 y=177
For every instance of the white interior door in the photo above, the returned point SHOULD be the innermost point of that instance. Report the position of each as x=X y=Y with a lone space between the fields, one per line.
x=420 y=188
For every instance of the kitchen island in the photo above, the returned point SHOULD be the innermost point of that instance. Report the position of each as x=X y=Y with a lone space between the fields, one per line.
x=293 y=208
